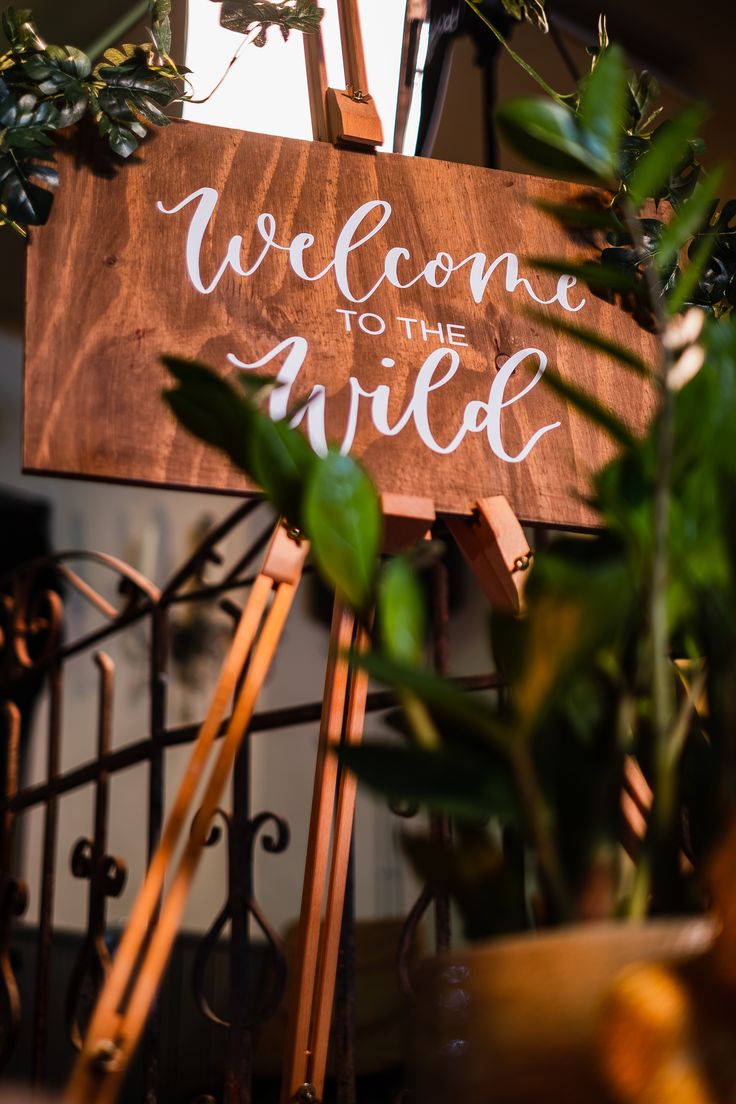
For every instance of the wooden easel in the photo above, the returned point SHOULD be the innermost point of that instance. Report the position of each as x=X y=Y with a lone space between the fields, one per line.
x=496 y=548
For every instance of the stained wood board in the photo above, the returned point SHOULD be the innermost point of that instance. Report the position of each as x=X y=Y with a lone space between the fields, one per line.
x=455 y=415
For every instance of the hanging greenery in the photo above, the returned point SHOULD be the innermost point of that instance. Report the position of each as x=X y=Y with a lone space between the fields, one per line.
x=246 y=16
x=45 y=88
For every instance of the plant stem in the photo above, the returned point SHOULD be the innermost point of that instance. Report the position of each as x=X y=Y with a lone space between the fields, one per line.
x=664 y=771
x=535 y=816
x=558 y=97
x=114 y=33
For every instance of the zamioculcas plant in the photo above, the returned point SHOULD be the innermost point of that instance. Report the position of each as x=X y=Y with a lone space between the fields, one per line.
x=629 y=633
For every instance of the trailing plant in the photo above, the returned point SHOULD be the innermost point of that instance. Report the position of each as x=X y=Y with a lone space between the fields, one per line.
x=626 y=658
x=45 y=88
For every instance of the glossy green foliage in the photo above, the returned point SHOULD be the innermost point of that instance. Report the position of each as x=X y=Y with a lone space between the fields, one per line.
x=249 y=16
x=44 y=88
x=342 y=517
x=603 y=133
x=329 y=499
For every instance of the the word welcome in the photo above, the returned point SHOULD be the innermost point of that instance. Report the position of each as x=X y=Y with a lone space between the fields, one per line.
x=356 y=232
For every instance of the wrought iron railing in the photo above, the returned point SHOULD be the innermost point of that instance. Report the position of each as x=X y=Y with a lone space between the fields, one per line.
x=35 y=645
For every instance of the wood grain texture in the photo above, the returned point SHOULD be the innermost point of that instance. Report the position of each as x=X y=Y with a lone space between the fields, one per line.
x=108 y=292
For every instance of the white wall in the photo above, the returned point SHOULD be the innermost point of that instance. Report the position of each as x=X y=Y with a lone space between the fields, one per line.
x=266 y=90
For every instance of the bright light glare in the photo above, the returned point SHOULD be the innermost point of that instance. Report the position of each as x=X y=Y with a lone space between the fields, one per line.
x=266 y=90
x=412 y=122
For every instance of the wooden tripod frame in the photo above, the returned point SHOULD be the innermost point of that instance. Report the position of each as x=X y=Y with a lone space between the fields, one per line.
x=496 y=548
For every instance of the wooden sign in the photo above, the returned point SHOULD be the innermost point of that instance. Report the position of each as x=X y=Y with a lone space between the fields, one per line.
x=389 y=291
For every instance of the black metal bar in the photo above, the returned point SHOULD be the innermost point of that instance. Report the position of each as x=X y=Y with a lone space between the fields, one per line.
x=239 y=1068
x=48 y=881
x=158 y=703
x=440 y=825
x=345 y=997
x=133 y=754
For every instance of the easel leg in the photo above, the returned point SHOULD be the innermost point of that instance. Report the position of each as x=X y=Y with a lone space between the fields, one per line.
x=128 y=994
x=318 y=945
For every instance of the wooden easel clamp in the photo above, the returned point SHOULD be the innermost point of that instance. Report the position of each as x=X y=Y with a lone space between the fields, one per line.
x=346 y=116
x=495 y=546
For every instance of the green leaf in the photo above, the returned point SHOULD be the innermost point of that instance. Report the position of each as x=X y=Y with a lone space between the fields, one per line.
x=401 y=614
x=592 y=338
x=446 y=702
x=448 y=780
x=547 y=134
x=18 y=28
x=581 y=215
x=211 y=409
x=669 y=146
x=689 y=279
x=245 y=16
x=344 y=523
x=160 y=17
x=601 y=276
x=602 y=108
x=26 y=203
x=281 y=463
x=588 y=405
x=688 y=220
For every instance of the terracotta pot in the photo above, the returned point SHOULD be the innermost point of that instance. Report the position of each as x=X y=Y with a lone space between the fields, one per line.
x=514 y=1021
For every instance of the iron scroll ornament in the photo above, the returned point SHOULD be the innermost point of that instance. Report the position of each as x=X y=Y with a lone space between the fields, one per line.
x=241 y=896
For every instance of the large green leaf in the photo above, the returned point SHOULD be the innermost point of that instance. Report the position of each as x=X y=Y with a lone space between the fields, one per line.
x=602 y=108
x=245 y=16
x=343 y=520
x=211 y=409
x=59 y=69
x=585 y=402
x=669 y=146
x=281 y=463
x=26 y=203
x=583 y=214
x=684 y=288
x=688 y=220
x=547 y=134
x=450 y=706
x=603 y=277
x=449 y=780
x=401 y=614
x=593 y=339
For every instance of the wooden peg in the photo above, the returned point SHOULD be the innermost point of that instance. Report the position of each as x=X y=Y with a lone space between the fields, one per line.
x=408 y=520
x=494 y=544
